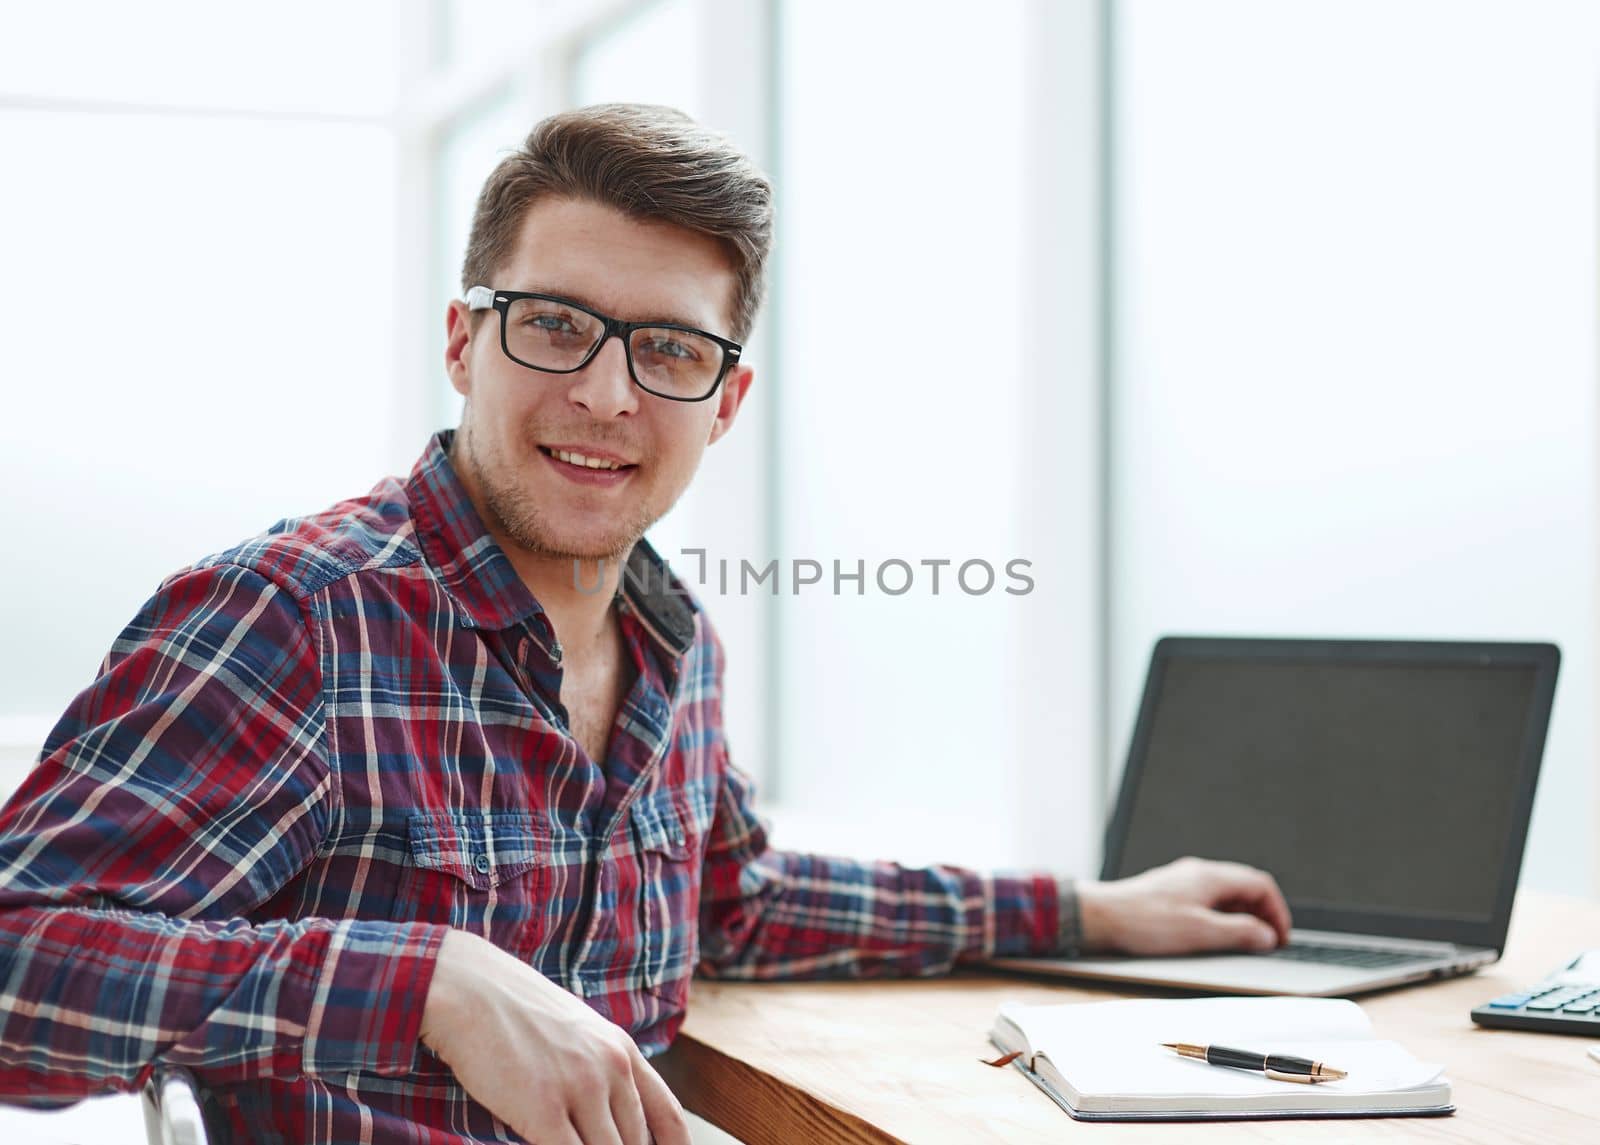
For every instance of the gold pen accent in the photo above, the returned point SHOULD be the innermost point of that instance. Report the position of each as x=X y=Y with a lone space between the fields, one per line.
x=1302 y=1078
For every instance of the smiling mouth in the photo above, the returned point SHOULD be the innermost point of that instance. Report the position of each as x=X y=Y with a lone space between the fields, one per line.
x=583 y=461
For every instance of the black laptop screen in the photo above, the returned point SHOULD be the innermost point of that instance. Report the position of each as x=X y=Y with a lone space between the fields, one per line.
x=1368 y=787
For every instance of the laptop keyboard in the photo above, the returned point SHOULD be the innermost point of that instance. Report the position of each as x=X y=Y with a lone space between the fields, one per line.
x=1362 y=957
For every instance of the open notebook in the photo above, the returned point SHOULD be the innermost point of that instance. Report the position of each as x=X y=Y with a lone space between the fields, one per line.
x=1103 y=1061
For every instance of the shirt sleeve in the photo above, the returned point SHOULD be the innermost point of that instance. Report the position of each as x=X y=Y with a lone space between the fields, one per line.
x=184 y=788
x=766 y=913
x=769 y=914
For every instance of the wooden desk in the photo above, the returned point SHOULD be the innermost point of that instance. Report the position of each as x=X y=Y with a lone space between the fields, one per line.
x=897 y=1060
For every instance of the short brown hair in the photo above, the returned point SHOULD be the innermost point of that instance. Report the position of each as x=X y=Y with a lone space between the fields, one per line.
x=648 y=162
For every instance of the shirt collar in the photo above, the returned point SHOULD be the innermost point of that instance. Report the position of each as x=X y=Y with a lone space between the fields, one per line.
x=660 y=600
x=480 y=578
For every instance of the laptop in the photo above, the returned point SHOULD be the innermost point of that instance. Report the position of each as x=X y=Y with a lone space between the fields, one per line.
x=1386 y=785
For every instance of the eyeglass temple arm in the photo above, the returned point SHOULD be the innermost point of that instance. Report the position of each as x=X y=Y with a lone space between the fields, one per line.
x=480 y=298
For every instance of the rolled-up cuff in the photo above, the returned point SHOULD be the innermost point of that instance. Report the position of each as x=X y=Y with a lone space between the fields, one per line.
x=1069 y=926
x=1021 y=915
x=367 y=1010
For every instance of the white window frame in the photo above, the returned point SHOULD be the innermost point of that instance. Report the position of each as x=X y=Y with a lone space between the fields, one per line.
x=1061 y=778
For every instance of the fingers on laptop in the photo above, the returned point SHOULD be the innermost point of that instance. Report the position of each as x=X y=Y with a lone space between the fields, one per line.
x=1224 y=930
x=1245 y=888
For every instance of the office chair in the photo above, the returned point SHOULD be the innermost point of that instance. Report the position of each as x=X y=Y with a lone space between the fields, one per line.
x=172 y=1108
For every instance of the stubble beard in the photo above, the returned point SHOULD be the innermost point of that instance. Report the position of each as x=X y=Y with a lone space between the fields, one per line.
x=515 y=513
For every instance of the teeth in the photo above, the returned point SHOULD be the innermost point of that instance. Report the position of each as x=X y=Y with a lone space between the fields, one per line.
x=580 y=459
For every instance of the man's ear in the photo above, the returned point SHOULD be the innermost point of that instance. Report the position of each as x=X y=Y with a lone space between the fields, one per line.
x=730 y=398
x=457 y=345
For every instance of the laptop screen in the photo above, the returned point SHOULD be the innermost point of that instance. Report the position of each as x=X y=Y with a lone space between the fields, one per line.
x=1374 y=781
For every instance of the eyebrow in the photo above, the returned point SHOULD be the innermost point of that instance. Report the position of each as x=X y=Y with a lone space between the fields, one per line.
x=582 y=300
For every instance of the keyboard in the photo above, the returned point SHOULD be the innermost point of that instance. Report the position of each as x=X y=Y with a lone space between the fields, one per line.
x=1362 y=957
x=1567 y=1002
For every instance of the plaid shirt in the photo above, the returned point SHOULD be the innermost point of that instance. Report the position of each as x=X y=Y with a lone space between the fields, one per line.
x=309 y=756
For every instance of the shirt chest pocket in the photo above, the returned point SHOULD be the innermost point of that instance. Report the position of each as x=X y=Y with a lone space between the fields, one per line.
x=669 y=893
x=483 y=871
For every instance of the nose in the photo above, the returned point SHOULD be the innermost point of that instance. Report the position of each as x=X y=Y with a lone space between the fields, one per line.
x=604 y=387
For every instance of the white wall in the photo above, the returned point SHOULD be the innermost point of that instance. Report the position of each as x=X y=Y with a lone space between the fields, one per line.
x=193 y=352
x=931 y=408
x=1355 y=341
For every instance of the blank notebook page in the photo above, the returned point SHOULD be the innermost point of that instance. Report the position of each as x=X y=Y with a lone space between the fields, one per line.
x=1115 y=1047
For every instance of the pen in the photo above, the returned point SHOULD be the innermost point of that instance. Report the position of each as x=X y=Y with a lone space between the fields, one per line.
x=1279 y=1067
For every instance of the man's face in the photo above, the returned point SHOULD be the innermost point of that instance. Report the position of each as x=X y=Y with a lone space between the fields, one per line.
x=516 y=418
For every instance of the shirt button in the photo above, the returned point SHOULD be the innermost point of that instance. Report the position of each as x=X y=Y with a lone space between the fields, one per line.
x=481 y=864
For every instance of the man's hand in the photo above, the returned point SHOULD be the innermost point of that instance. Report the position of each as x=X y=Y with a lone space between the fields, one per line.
x=1188 y=906
x=538 y=1058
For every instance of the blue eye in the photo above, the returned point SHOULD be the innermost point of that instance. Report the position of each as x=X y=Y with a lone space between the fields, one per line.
x=669 y=347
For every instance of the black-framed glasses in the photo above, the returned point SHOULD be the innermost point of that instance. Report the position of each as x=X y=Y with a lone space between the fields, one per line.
x=559 y=336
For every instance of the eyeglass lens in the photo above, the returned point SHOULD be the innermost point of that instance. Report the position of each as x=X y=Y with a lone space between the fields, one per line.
x=554 y=336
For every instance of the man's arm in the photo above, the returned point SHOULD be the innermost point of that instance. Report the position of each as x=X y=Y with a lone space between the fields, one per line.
x=180 y=791
x=766 y=913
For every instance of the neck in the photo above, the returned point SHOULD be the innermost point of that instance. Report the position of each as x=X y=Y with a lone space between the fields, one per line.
x=575 y=594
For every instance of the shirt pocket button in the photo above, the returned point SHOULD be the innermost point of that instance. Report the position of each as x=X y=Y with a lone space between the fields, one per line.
x=483 y=871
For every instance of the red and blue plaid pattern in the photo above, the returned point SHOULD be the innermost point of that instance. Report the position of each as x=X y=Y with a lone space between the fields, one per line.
x=308 y=756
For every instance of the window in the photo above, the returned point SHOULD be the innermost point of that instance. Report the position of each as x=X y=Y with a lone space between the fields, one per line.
x=915 y=252
x=1355 y=341
x=179 y=263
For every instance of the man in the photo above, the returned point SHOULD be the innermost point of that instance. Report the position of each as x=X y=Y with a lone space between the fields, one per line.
x=390 y=826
